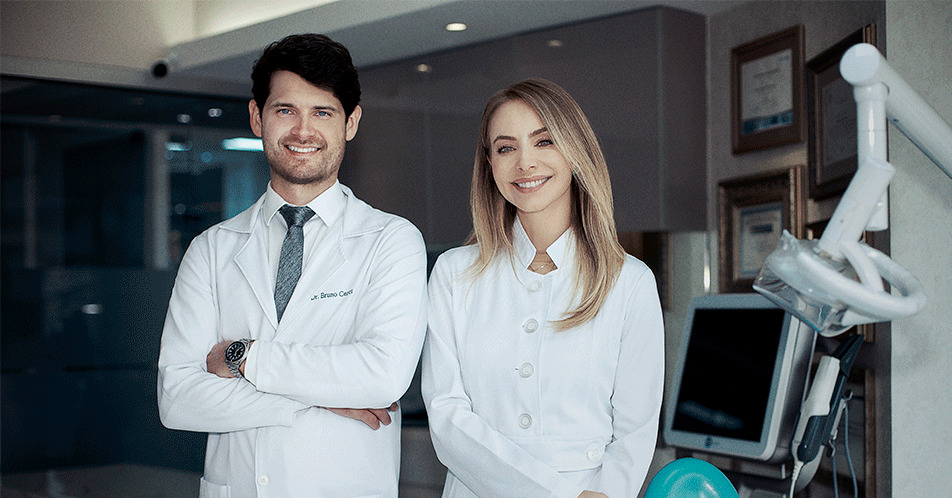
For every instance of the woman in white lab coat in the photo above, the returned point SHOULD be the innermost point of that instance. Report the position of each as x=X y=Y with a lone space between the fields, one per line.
x=543 y=362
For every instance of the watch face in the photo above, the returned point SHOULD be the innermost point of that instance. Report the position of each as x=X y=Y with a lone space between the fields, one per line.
x=235 y=351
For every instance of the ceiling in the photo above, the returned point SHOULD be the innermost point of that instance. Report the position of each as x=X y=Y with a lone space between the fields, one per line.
x=380 y=31
x=213 y=72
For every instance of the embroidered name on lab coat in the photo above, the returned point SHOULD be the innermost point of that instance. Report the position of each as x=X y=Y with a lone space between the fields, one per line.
x=325 y=295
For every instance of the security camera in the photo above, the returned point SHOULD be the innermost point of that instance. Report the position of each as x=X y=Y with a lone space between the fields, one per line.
x=161 y=68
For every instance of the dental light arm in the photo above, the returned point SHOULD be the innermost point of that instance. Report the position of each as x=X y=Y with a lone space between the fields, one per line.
x=837 y=282
x=881 y=93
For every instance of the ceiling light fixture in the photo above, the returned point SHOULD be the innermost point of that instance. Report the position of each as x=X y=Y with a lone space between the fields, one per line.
x=554 y=43
x=455 y=27
x=178 y=146
x=242 y=144
x=423 y=68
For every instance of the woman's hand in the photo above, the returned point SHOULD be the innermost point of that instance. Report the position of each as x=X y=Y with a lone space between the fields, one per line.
x=592 y=494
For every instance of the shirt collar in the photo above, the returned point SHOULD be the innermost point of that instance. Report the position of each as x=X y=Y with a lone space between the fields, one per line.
x=560 y=251
x=328 y=206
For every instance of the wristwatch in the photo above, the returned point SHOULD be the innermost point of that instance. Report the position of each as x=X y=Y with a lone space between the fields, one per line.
x=236 y=353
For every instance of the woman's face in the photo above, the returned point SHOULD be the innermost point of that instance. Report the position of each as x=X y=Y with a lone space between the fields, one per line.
x=529 y=170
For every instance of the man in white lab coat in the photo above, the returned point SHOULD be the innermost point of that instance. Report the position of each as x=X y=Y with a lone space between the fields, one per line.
x=292 y=359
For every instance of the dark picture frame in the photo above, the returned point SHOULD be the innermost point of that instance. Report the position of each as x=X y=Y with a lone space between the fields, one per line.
x=767 y=91
x=831 y=118
x=754 y=211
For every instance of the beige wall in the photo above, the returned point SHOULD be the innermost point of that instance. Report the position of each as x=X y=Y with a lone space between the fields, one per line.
x=110 y=33
x=919 y=47
x=824 y=22
x=218 y=16
x=124 y=33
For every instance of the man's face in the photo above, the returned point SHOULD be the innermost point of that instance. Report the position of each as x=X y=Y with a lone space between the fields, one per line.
x=304 y=131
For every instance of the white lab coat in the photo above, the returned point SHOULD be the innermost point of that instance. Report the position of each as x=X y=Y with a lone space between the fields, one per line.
x=518 y=409
x=350 y=337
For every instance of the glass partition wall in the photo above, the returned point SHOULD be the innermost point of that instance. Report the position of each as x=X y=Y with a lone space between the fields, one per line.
x=102 y=190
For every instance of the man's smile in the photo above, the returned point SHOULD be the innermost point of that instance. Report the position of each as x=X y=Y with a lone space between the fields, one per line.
x=302 y=150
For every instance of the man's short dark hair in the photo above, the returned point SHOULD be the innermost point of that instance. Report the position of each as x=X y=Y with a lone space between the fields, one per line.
x=319 y=60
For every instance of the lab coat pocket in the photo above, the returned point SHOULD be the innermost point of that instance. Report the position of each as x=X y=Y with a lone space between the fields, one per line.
x=209 y=490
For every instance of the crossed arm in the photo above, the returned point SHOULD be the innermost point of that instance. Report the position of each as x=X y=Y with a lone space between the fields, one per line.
x=373 y=371
x=373 y=417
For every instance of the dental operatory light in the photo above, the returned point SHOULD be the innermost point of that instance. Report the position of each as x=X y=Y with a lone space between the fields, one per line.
x=836 y=282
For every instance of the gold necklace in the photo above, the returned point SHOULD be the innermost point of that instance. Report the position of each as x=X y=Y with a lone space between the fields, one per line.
x=541 y=265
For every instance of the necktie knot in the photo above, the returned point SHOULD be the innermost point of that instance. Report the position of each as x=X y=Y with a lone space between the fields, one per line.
x=296 y=215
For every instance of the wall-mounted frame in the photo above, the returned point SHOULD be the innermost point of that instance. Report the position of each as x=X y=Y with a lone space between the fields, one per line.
x=754 y=210
x=767 y=90
x=831 y=118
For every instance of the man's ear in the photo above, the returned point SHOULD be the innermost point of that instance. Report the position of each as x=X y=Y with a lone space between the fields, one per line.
x=352 y=121
x=255 y=117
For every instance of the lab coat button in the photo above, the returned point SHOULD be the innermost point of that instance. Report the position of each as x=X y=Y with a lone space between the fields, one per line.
x=595 y=455
x=525 y=421
x=534 y=286
x=526 y=370
x=263 y=480
x=531 y=325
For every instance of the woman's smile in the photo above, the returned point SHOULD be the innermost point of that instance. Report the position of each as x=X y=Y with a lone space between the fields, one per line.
x=529 y=185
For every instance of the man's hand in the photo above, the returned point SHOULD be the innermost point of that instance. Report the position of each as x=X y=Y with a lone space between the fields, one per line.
x=215 y=361
x=373 y=417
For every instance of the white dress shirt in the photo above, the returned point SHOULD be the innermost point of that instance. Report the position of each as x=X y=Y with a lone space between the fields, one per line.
x=519 y=409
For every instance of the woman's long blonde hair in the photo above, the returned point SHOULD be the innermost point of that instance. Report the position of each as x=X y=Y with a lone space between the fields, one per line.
x=599 y=255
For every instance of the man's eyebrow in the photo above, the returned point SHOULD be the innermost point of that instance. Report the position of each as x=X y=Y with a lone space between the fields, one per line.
x=316 y=107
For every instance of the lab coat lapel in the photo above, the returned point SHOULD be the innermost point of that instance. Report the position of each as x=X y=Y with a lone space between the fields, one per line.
x=252 y=261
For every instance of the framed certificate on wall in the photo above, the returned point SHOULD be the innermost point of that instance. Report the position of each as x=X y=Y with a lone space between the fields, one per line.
x=766 y=86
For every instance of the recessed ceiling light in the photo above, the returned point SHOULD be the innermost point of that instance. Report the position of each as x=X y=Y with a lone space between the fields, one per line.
x=456 y=26
x=214 y=112
x=423 y=68
x=554 y=43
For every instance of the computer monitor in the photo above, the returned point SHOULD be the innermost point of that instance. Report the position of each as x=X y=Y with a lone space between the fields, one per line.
x=739 y=378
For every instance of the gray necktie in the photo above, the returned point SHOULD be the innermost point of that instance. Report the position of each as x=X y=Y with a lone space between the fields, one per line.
x=292 y=254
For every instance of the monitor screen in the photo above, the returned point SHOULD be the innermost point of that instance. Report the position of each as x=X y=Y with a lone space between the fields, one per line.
x=739 y=378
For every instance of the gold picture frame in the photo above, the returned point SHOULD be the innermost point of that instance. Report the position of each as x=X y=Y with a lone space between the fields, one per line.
x=767 y=91
x=753 y=212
